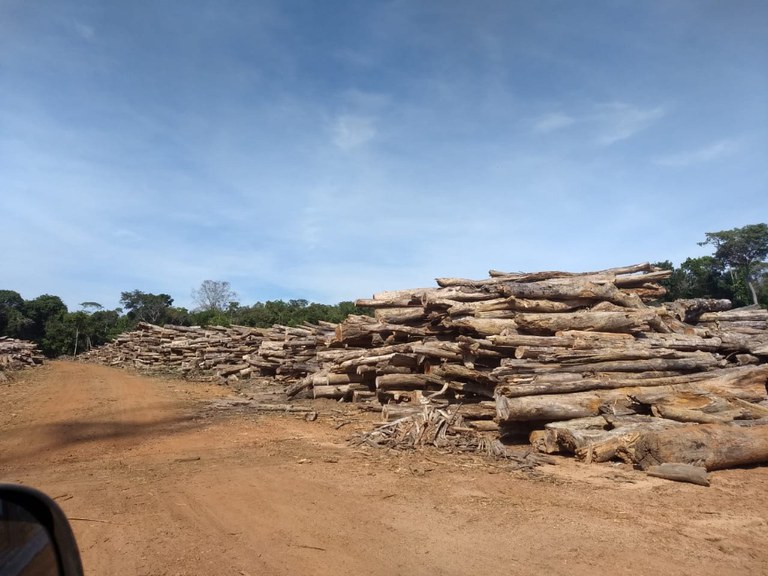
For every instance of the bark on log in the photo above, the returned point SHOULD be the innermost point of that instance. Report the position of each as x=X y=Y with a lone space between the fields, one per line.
x=632 y=269
x=600 y=443
x=407 y=382
x=574 y=289
x=551 y=407
x=482 y=326
x=602 y=446
x=737 y=315
x=565 y=383
x=698 y=362
x=401 y=315
x=338 y=391
x=547 y=324
x=691 y=415
x=713 y=446
x=387 y=303
x=412 y=294
x=442 y=297
x=680 y=473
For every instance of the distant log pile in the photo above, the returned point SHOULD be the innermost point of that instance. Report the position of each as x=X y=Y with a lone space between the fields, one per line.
x=216 y=352
x=18 y=354
x=574 y=363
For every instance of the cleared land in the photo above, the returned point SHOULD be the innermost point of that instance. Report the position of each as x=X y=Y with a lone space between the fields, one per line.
x=158 y=482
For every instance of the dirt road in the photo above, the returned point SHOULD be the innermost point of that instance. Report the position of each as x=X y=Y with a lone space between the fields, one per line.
x=157 y=482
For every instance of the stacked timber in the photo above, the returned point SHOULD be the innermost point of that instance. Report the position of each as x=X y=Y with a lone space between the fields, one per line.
x=742 y=332
x=581 y=363
x=217 y=352
x=289 y=354
x=190 y=350
x=17 y=354
x=577 y=363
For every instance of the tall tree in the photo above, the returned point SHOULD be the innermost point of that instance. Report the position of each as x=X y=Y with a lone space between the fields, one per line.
x=41 y=310
x=146 y=307
x=13 y=319
x=701 y=277
x=214 y=295
x=742 y=252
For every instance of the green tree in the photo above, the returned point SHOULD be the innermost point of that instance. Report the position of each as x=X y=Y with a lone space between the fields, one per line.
x=147 y=307
x=701 y=277
x=13 y=320
x=60 y=335
x=40 y=310
x=742 y=252
x=104 y=326
x=293 y=312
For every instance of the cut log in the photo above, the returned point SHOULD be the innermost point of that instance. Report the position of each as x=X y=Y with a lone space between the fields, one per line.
x=691 y=415
x=609 y=272
x=695 y=363
x=335 y=379
x=630 y=280
x=546 y=324
x=713 y=446
x=387 y=302
x=604 y=447
x=338 y=391
x=407 y=382
x=445 y=297
x=411 y=295
x=573 y=289
x=437 y=349
x=564 y=383
x=749 y=315
x=682 y=342
x=482 y=326
x=401 y=315
x=680 y=473
x=690 y=310
x=551 y=407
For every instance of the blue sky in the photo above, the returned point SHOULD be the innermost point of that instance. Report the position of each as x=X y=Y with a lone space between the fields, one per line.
x=329 y=150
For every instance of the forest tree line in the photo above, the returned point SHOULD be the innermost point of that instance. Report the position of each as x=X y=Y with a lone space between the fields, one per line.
x=46 y=320
x=736 y=270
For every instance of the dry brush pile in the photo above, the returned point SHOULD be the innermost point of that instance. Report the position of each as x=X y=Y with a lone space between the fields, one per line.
x=576 y=363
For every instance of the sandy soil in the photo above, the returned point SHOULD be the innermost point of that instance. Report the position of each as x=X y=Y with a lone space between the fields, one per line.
x=155 y=481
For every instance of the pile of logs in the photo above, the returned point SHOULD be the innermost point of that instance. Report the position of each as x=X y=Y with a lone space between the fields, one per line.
x=578 y=363
x=18 y=354
x=587 y=364
x=216 y=352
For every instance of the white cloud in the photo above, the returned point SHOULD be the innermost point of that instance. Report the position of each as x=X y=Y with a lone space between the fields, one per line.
x=714 y=151
x=552 y=122
x=619 y=121
x=350 y=131
x=85 y=31
x=606 y=124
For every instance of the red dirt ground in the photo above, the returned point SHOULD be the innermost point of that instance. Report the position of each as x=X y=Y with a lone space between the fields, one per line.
x=155 y=481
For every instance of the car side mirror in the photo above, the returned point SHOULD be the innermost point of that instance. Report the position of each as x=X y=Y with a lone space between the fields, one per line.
x=35 y=537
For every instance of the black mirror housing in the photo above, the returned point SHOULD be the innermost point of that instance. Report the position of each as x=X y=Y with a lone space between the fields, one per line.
x=35 y=536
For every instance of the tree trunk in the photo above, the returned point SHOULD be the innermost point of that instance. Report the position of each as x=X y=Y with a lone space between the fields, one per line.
x=680 y=473
x=551 y=407
x=713 y=446
x=625 y=321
